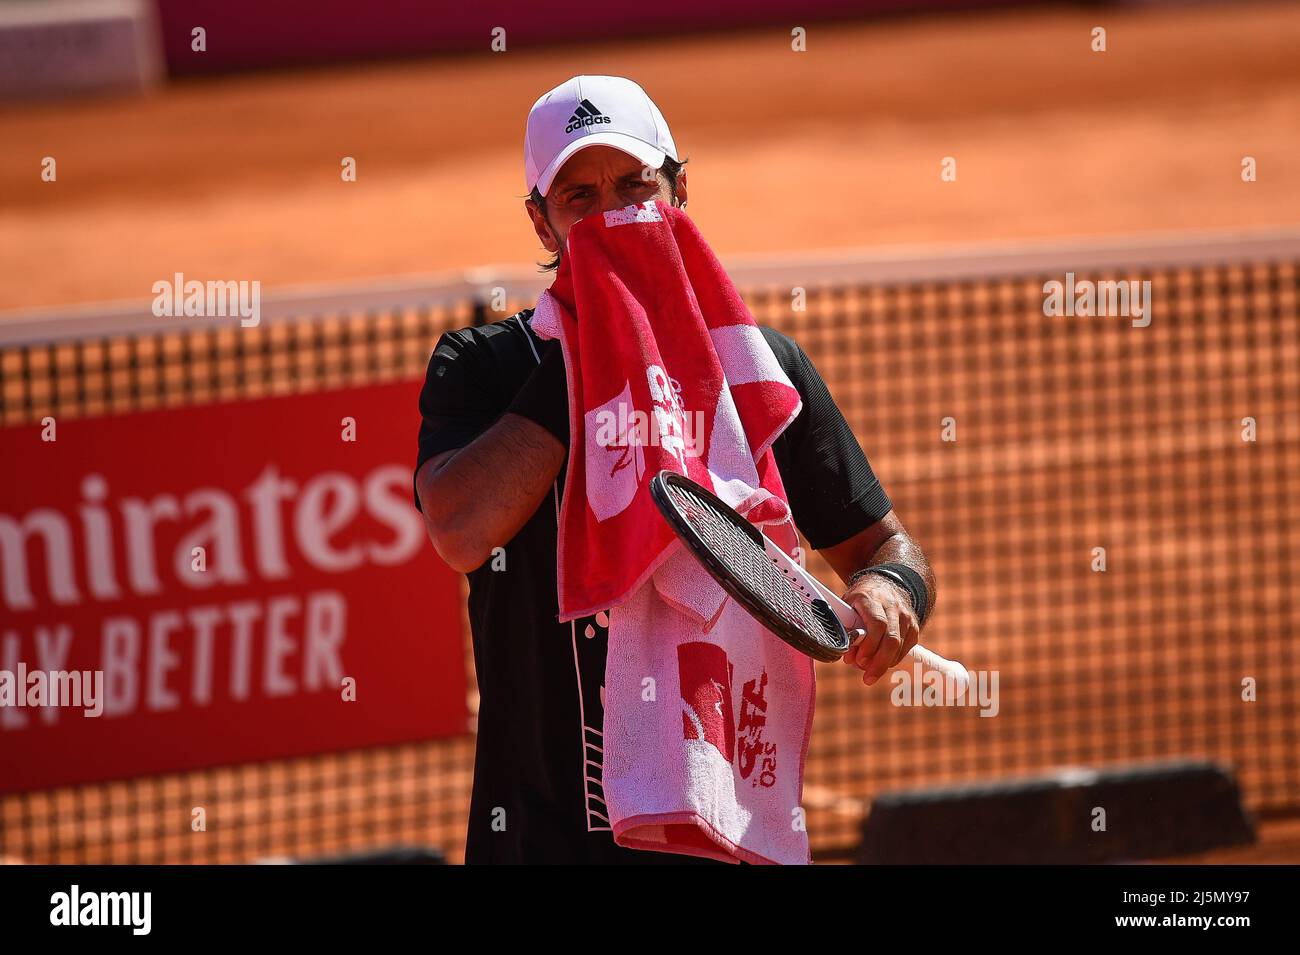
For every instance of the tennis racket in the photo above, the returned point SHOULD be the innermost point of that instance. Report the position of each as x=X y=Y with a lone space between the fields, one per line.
x=766 y=581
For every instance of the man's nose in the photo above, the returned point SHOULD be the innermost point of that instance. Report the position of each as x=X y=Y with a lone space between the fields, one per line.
x=611 y=199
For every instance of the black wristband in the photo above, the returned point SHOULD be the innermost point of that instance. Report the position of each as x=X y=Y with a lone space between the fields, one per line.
x=905 y=577
x=544 y=397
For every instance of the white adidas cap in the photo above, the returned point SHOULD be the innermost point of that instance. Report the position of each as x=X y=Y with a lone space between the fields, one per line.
x=593 y=111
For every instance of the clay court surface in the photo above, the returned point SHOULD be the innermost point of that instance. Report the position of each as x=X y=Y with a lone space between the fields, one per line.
x=836 y=147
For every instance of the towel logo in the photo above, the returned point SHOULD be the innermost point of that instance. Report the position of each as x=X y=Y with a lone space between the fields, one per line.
x=706 y=676
x=630 y=215
x=618 y=434
x=753 y=718
x=586 y=115
x=615 y=460
x=670 y=415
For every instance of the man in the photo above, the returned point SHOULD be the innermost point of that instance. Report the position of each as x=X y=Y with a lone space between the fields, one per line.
x=489 y=479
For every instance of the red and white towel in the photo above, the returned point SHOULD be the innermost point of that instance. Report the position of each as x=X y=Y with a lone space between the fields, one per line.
x=707 y=715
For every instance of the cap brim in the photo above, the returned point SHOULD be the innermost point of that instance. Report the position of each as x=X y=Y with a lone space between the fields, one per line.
x=636 y=148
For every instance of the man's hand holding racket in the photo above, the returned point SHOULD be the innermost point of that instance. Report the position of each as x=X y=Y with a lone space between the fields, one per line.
x=891 y=626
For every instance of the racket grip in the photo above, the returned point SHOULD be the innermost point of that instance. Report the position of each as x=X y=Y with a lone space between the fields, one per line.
x=950 y=669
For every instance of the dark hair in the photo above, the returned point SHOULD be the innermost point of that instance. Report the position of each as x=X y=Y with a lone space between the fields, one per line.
x=669 y=170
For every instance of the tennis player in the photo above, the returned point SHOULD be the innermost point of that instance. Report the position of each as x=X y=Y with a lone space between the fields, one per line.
x=492 y=448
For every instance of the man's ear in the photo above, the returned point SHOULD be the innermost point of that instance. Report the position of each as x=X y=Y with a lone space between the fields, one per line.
x=681 y=191
x=541 y=226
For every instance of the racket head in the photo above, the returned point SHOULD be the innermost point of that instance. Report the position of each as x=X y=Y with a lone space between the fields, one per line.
x=732 y=550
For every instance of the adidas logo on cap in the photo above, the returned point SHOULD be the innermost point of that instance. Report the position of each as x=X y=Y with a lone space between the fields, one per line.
x=585 y=115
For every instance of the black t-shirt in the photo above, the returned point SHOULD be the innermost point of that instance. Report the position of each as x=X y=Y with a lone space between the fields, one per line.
x=537 y=774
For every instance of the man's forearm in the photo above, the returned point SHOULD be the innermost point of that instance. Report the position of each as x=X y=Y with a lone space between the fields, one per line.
x=886 y=541
x=481 y=497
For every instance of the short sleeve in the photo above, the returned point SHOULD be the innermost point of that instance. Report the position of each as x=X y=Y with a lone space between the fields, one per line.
x=833 y=492
x=455 y=406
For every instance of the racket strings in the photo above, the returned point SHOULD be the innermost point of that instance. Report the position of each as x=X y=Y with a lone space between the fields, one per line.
x=749 y=563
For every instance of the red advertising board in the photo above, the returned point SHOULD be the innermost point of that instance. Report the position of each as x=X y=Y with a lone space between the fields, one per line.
x=244 y=580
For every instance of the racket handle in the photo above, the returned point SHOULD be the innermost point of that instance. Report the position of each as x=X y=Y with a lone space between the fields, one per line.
x=951 y=669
